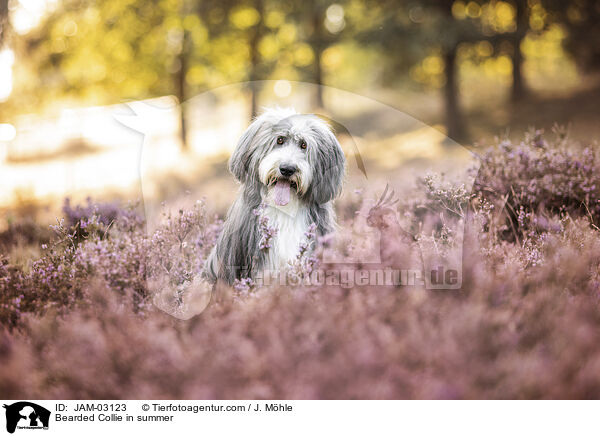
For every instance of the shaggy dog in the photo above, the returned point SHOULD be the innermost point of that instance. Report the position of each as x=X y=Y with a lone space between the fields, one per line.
x=290 y=167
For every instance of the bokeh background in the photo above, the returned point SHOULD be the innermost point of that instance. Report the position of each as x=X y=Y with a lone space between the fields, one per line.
x=471 y=70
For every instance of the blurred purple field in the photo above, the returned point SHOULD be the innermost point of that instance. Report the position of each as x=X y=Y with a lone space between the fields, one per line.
x=77 y=319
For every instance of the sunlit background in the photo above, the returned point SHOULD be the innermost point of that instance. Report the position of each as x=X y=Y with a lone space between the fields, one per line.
x=471 y=70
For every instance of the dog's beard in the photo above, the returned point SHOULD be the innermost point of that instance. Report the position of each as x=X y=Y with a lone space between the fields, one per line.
x=282 y=189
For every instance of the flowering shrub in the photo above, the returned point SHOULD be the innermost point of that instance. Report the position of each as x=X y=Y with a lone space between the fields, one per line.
x=95 y=216
x=534 y=180
x=525 y=324
x=176 y=254
x=114 y=248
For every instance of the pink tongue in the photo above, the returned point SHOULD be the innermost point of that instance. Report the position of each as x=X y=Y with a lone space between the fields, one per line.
x=282 y=192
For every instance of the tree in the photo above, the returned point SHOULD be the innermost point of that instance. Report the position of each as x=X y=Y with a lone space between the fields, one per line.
x=98 y=51
x=519 y=89
x=455 y=122
x=317 y=41
x=581 y=20
x=407 y=33
x=3 y=20
x=247 y=19
x=410 y=32
x=255 y=34
x=104 y=52
x=313 y=16
x=181 y=68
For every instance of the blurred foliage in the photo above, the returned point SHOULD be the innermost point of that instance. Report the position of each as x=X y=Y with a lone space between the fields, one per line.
x=96 y=52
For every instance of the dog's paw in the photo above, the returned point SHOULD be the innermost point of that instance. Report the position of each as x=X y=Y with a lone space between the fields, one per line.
x=185 y=301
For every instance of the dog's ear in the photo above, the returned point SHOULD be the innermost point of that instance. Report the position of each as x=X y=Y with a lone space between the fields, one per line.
x=330 y=165
x=240 y=159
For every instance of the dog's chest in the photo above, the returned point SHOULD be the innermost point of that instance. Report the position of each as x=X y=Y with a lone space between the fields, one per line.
x=291 y=222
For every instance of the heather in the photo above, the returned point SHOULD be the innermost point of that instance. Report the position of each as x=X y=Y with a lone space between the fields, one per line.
x=78 y=320
x=535 y=181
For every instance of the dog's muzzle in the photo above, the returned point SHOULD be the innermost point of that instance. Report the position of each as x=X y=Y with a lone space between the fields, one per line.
x=284 y=183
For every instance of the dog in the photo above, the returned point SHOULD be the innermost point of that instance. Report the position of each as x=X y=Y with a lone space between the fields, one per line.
x=290 y=167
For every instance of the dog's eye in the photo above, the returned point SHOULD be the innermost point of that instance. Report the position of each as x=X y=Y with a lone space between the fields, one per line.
x=280 y=140
x=303 y=144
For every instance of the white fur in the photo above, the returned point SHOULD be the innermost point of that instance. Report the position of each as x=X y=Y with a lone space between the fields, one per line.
x=291 y=222
x=269 y=166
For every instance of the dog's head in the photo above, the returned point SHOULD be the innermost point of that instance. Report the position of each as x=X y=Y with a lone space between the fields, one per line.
x=290 y=154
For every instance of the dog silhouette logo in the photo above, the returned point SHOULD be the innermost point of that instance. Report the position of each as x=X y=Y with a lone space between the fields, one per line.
x=26 y=415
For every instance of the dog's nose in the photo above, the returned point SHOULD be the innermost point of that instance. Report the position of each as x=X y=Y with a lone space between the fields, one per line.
x=287 y=170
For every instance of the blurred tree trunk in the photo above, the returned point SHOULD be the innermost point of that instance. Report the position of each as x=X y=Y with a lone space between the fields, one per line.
x=519 y=90
x=3 y=24
x=3 y=20
x=317 y=46
x=255 y=59
x=455 y=123
x=181 y=84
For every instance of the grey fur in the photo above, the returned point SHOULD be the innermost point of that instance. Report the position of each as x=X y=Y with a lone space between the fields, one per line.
x=237 y=254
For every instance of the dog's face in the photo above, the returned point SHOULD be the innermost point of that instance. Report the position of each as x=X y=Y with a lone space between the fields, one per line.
x=290 y=154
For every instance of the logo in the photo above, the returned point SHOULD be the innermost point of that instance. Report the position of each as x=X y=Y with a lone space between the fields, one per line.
x=26 y=415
